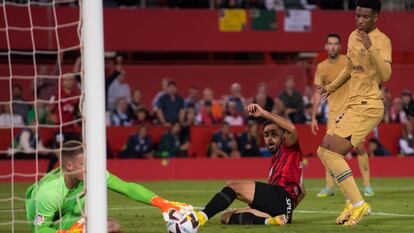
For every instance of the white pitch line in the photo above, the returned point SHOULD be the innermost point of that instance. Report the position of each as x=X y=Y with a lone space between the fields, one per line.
x=391 y=188
x=297 y=211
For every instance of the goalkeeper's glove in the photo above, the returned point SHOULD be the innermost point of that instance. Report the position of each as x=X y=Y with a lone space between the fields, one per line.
x=78 y=227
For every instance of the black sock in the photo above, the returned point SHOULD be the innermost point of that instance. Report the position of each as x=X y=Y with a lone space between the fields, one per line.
x=220 y=202
x=246 y=219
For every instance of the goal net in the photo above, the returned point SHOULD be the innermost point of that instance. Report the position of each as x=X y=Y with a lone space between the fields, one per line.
x=42 y=92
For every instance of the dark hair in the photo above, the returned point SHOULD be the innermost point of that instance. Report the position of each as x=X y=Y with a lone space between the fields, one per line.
x=72 y=148
x=374 y=140
x=17 y=86
x=333 y=35
x=225 y=123
x=171 y=83
x=375 y=5
x=208 y=103
x=267 y=122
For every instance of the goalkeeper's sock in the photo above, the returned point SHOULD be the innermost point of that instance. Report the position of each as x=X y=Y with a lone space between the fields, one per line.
x=220 y=202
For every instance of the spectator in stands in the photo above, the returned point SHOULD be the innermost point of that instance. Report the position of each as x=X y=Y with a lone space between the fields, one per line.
x=28 y=145
x=174 y=143
x=115 y=73
x=44 y=114
x=387 y=104
x=206 y=116
x=67 y=112
x=249 y=141
x=292 y=101
x=139 y=145
x=192 y=99
x=376 y=148
x=142 y=116
x=18 y=107
x=170 y=106
x=408 y=103
x=262 y=97
x=120 y=115
x=45 y=87
x=279 y=108
x=189 y=121
x=307 y=96
x=406 y=142
x=224 y=144
x=118 y=89
x=7 y=119
x=233 y=117
x=307 y=116
x=190 y=117
x=275 y=5
x=397 y=114
x=237 y=97
x=163 y=91
x=135 y=104
x=216 y=105
x=228 y=4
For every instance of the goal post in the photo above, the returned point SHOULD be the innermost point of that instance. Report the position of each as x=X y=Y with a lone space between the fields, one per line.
x=94 y=113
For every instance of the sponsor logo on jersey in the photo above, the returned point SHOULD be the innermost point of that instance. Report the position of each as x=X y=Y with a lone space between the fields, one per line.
x=39 y=219
x=358 y=68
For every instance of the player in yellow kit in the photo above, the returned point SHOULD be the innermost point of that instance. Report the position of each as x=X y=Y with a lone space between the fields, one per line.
x=368 y=64
x=326 y=72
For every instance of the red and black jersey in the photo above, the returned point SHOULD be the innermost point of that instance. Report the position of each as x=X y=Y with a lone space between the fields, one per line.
x=286 y=169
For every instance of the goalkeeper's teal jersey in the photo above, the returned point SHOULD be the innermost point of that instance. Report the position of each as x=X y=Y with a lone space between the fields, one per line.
x=50 y=205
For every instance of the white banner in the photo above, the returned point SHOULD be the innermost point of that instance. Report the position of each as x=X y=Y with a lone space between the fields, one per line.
x=298 y=21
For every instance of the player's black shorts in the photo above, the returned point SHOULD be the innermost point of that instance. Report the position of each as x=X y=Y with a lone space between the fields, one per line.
x=273 y=200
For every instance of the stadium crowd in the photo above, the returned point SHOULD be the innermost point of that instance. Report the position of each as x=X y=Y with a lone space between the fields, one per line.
x=179 y=113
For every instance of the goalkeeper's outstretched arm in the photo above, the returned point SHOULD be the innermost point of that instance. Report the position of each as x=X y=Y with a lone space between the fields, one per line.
x=141 y=194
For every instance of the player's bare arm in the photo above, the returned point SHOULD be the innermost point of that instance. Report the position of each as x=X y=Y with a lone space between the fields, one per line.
x=291 y=136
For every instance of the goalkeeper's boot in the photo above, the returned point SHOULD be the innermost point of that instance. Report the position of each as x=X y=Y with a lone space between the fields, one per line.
x=368 y=192
x=279 y=220
x=345 y=215
x=357 y=213
x=325 y=192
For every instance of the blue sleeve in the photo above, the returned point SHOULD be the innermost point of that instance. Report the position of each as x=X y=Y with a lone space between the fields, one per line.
x=161 y=102
x=216 y=138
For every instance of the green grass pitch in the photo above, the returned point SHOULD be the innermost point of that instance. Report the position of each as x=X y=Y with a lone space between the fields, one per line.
x=393 y=208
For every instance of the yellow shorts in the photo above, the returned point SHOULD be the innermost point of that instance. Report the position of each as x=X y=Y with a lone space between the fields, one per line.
x=356 y=123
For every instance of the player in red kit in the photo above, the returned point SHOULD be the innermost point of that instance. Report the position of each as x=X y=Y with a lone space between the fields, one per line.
x=67 y=112
x=269 y=203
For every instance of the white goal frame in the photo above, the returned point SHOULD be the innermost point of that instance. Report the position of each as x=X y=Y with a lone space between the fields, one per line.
x=94 y=113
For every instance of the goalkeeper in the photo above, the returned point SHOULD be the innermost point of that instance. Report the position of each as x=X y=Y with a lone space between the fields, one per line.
x=55 y=204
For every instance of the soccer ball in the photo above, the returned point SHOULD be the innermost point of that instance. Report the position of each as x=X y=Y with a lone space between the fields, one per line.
x=182 y=221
